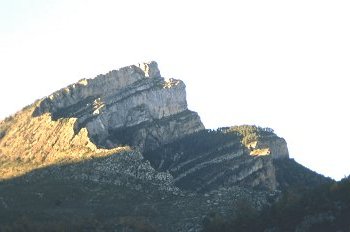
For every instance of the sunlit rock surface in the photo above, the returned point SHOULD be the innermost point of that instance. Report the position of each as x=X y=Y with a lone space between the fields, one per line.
x=135 y=99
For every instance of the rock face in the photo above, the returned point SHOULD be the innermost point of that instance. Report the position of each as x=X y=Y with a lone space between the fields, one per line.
x=271 y=145
x=209 y=160
x=125 y=143
x=133 y=105
x=277 y=147
x=136 y=106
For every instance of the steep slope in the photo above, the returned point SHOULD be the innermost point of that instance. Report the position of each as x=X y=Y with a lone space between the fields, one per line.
x=115 y=193
x=208 y=160
x=32 y=142
x=322 y=208
x=131 y=106
x=247 y=156
x=135 y=99
x=129 y=135
x=292 y=175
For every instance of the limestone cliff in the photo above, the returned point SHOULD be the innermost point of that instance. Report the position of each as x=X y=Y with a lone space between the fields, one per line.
x=209 y=160
x=128 y=134
x=275 y=146
x=133 y=105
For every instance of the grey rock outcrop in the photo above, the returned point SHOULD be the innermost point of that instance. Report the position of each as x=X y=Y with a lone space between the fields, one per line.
x=136 y=106
x=126 y=169
x=210 y=160
x=277 y=146
x=123 y=147
x=133 y=105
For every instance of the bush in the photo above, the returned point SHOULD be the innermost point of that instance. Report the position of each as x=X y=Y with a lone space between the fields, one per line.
x=250 y=133
x=326 y=206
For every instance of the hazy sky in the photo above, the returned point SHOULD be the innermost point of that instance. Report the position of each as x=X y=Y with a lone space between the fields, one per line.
x=281 y=64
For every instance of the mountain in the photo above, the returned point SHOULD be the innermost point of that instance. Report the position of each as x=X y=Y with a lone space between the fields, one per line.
x=122 y=152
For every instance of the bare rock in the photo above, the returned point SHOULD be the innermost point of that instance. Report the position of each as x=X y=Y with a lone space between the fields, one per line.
x=132 y=97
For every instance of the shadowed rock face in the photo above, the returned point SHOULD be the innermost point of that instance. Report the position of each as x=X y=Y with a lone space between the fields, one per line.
x=208 y=160
x=133 y=99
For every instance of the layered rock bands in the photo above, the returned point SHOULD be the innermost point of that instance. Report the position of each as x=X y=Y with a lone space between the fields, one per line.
x=133 y=105
x=136 y=107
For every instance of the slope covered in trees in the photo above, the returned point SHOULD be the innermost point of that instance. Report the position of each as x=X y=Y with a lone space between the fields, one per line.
x=323 y=208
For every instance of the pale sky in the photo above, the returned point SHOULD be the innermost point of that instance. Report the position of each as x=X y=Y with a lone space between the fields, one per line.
x=278 y=64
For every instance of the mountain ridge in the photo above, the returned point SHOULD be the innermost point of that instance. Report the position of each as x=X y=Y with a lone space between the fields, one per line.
x=131 y=130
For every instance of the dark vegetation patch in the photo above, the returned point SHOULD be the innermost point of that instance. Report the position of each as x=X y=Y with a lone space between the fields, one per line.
x=292 y=175
x=322 y=208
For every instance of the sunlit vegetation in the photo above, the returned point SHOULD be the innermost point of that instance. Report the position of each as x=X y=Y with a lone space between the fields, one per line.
x=28 y=143
x=250 y=133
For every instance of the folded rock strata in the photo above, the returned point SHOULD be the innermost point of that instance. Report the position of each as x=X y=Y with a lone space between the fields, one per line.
x=133 y=105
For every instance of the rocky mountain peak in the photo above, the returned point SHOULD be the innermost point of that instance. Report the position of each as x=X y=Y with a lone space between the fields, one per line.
x=135 y=99
x=150 y=69
x=125 y=143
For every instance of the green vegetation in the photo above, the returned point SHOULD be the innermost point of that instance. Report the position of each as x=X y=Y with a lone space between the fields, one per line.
x=323 y=208
x=49 y=204
x=250 y=133
x=292 y=175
